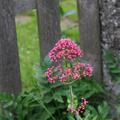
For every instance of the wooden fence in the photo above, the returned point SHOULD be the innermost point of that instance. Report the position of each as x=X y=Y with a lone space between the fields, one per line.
x=49 y=31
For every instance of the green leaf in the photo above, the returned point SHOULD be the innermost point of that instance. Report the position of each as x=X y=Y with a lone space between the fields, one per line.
x=6 y=97
x=70 y=117
x=112 y=66
x=95 y=118
x=87 y=117
x=61 y=11
x=46 y=63
x=44 y=115
x=58 y=98
x=47 y=98
x=115 y=71
x=103 y=110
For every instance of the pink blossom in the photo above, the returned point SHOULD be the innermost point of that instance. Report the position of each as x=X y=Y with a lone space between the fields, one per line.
x=83 y=68
x=76 y=67
x=81 y=108
x=50 y=75
x=65 y=49
x=49 y=71
x=63 y=78
x=76 y=76
x=71 y=110
x=68 y=72
x=53 y=79
x=89 y=70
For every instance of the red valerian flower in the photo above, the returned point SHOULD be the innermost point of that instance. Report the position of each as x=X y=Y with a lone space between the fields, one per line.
x=67 y=69
x=81 y=108
x=65 y=49
x=83 y=69
x=50 y=74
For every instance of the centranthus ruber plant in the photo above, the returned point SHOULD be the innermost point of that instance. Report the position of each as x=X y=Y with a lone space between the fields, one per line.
x=67 y=68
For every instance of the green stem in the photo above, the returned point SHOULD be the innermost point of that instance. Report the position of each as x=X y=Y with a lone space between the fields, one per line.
x=77 y=116
x=48 y=111
x=56 y=106
x=72 y=95
x=1 y=109
x=43 y=105
x=72 y=100
x=69 y=83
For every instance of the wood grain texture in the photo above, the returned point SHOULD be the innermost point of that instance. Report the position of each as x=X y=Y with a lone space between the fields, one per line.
x=88 y=11
x=48 y=24
x=9 y=61
x=24 y=5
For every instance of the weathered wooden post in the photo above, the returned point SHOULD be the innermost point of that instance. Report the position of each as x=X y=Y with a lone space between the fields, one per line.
x=24 y=5
x=9 y=62
x=49 y=24
x=88 y=11
x=107 y=35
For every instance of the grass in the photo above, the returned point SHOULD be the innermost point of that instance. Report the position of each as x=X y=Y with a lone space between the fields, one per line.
x=69 y=5
x=73 y=32
x=28 y=49
x=29 y=44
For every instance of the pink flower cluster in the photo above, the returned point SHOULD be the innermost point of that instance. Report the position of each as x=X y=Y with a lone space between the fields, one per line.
x=50 y=75
x=65 y=49
x=67 y=68
x=79 y=70
x=81 y=107
x=83 y=69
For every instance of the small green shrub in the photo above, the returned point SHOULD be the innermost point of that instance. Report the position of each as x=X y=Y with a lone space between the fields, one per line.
x=49 y=102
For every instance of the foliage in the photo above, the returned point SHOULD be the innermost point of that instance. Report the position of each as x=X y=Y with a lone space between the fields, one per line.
x=56 y=94
x=69 y=11
x=28 y=47
x=49 y=102
x=100 y=114
x=69 y=15
x=25 y=107
x=113 y=65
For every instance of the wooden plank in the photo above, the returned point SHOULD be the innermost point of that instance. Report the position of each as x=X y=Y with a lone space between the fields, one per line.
x=49 y=24
x=24 y=5
x=88 y=11
x=9 y=62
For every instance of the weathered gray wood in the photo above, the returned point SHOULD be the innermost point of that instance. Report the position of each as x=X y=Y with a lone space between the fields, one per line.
x=9 y=63
x=49 y=24
x=88 y=11
x=24 y=5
